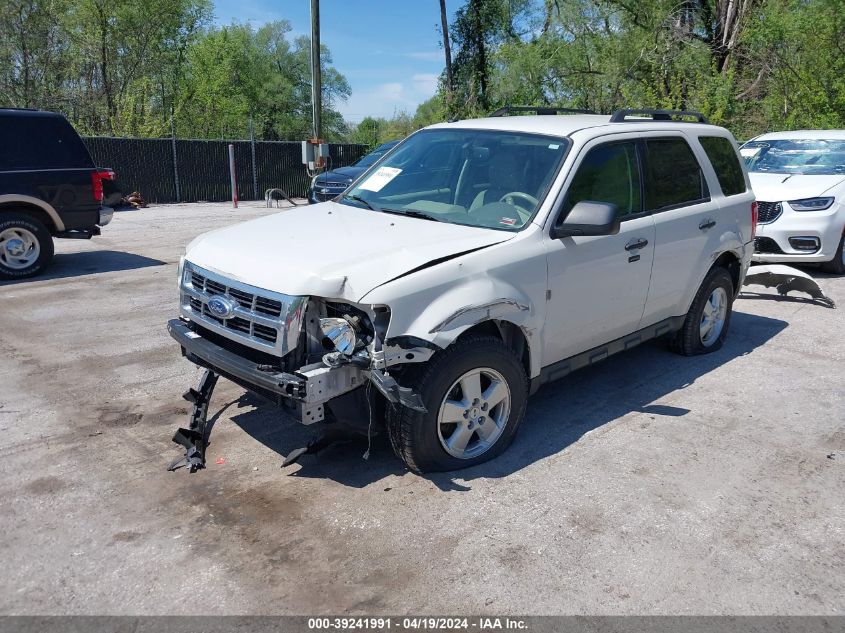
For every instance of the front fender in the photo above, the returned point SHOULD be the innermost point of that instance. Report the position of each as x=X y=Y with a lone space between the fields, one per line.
x=505 y=282
x=440 y=316
x=463 y=306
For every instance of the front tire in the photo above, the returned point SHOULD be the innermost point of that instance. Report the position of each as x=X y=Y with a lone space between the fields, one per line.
x=475 y=393
x=26 y=246
x=837 y=264
x=706 y=324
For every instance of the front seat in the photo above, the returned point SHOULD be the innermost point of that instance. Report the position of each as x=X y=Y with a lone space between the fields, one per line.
x=506 y=176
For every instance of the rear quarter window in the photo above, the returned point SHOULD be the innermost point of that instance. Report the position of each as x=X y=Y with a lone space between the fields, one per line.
x=725 y=163
x=40 y=142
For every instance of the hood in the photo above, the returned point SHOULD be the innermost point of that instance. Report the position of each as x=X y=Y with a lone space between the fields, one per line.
x=779 y=187
x=341 y=174
x=332 y=250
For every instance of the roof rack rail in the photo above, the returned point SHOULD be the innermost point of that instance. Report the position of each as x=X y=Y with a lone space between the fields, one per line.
x=621 y=116
x=538 y=110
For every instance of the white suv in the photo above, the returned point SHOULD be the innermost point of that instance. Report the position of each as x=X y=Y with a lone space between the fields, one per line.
x=475 y=262
x=799 y=179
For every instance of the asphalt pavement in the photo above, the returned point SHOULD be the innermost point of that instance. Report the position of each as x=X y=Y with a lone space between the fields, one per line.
x=648 y=484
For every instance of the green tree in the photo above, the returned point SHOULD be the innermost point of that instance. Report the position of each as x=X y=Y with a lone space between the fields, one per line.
x=33 y=52
x=430 y=112
x=236 y=75
x=797 y=67
x=131 y=67
x=479 y=28
x=121 y=47
x=368 y=132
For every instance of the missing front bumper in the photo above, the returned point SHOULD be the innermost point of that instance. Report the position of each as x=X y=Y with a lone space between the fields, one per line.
x=305 y=391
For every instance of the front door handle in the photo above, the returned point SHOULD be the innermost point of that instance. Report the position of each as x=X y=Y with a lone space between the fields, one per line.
x=707 y=224
x=636 y=244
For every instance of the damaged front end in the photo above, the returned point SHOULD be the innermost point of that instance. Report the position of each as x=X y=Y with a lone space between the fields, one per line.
x=306 y=354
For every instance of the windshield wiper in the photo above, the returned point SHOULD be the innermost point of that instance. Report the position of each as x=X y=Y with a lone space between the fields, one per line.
x=362 y=201
x=410 y=213
x=422 y=215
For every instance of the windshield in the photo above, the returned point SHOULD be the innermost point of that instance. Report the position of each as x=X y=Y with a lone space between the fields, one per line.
x=483 y=178
x=369 y=159
x=797 y=156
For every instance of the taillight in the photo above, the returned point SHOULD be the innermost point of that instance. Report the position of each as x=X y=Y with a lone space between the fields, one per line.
x=97 y=178
x=753 y=219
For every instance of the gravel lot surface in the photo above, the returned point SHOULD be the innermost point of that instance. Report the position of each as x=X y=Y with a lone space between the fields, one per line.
x=649 y=484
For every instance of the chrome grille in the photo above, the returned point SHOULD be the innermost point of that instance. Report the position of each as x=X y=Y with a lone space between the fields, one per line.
x=265 y=333
x=262 y=319
x=768 y=212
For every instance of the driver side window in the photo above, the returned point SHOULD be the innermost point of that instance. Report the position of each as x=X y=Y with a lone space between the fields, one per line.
x=611 y=174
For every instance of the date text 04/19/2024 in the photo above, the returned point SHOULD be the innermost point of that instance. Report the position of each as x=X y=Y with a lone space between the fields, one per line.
x=425 y=623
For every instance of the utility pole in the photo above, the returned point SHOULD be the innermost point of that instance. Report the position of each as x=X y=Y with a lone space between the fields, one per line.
x=444 y=24
x=316 y=79
x=315 y=151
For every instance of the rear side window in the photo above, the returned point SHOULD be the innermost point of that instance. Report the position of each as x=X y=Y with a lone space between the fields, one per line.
x=608 y=173
x=40 y=142
x=725 y=162
x=673 y=177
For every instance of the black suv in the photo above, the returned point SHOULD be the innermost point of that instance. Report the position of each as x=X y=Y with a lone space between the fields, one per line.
x=331 y=184
x=49 y=187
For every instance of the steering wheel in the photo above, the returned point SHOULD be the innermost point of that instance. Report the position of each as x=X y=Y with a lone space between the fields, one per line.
x=509 y=199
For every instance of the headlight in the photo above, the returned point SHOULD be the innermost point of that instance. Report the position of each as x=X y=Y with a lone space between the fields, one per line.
x=340 y=334
x=811 y=204
x=314 y=182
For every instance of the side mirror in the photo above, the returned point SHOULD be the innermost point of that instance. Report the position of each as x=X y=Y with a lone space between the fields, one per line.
x=589 y=218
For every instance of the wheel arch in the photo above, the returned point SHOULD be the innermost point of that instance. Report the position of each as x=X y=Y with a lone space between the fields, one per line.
x=512 y=335
x=38 y=209
x=503 y=313
x=732 y=263
x=728 y=259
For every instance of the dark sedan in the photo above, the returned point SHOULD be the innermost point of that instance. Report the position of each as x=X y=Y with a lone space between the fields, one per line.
x=333 y=183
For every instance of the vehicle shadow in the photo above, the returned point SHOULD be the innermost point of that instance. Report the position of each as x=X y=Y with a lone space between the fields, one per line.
x=557 y=416
x=66 y=265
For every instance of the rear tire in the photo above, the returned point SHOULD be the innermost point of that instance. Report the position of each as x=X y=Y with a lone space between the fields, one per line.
x=26 y=246
x=480 y=384
x=706 y=324
x=837 y=264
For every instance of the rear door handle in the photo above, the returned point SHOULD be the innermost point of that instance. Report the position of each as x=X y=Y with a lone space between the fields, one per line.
x=636 y=244
x=707 y=224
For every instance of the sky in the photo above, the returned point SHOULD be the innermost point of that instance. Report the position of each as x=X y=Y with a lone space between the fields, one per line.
x=388 y=50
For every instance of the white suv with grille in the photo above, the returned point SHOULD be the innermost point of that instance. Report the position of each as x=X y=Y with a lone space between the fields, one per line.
x=799 y=179
x=475 y=262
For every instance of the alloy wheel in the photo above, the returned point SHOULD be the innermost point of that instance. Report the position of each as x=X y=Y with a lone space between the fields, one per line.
x=713 y=317
x=474 y=413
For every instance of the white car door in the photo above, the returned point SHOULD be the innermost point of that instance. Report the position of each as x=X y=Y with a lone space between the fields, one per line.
x=598 y=284
x=687 y=221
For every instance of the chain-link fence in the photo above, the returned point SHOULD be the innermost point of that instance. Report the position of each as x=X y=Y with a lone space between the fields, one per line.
x=177 y=170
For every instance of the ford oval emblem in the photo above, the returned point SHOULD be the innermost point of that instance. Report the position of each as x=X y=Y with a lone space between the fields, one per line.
x=221 y=307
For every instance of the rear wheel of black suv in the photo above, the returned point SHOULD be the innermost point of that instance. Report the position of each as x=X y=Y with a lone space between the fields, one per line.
x=706 y=324
x=475 y=393
x=26 y=246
